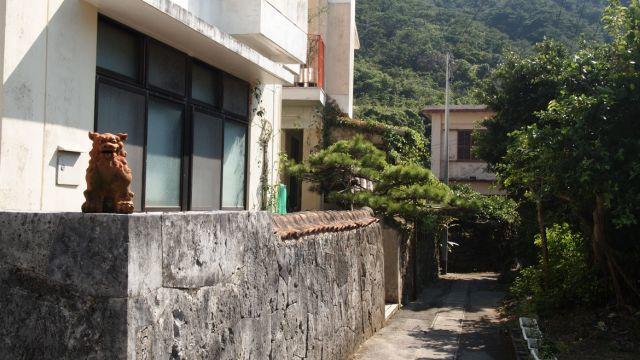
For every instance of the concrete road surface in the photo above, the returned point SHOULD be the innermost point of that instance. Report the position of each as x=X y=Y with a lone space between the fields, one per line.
x=455 y=319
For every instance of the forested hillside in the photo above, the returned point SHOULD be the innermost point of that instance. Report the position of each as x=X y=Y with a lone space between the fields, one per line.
x=400 y=67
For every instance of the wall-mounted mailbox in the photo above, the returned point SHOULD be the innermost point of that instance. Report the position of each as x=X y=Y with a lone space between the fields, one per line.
x=68 y=170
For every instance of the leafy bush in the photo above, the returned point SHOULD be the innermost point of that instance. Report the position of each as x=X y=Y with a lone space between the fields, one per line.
x=572 y=282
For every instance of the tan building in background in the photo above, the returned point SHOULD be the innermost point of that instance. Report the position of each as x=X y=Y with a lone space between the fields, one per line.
x=464 y=167
x=327 y=74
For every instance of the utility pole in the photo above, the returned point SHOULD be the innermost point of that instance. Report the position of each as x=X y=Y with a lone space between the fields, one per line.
x=446 y=123
x=444 y=251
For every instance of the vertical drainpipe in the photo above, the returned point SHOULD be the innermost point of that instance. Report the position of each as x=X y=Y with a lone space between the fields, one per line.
x=44 y=115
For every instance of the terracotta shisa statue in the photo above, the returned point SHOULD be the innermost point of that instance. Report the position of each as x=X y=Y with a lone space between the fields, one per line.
x=108 y=176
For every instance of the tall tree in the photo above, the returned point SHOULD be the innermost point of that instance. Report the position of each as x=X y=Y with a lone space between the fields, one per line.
x=571 y=134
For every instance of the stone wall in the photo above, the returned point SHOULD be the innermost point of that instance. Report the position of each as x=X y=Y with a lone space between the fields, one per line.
x=186 y=286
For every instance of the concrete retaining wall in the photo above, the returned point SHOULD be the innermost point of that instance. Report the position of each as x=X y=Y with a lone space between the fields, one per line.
x=184 y=286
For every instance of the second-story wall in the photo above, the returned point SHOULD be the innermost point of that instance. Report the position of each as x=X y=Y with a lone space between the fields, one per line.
x=462 y=168
x=335 y=21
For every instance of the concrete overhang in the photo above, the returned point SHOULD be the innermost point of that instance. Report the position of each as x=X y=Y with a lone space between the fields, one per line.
x=437 y=109
x=266 y=29
x=303 y=96
x=293 y=68
x=174 y=25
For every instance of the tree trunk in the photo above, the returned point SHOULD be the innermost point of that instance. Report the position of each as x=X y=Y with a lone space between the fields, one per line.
x=265 y=138
x=586 y=227
x=545 y=244
x=598 y=234
x=600 y=251
x=264 y=181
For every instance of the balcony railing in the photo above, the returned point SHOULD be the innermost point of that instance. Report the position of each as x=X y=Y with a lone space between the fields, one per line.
x=312 y=73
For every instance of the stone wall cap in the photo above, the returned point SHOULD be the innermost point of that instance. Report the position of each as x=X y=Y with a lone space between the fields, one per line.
x=297 y=225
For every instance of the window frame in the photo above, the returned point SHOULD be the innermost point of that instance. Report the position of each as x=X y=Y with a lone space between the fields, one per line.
x=142 y=47
x=183 y=164
x=187 y=67
x=219 y=74
x=193 y=108
x=190 y=106
x=472 y=158
x=246 y=166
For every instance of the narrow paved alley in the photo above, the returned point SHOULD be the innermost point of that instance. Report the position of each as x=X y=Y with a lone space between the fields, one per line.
x=454 y=319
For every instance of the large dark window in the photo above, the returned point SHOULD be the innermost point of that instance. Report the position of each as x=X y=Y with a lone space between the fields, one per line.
x=207 y=161
x=187 y=122
x=164 y=154
x=465 y=145
x=233 y=166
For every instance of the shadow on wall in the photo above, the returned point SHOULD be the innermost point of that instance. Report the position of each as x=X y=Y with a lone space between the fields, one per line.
x=44 y=81
x=425 y=264
x=48 y=95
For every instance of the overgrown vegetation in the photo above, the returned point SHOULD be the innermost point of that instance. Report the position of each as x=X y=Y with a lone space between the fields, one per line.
x=565 y=139
x=404 y=144
x=572 y=281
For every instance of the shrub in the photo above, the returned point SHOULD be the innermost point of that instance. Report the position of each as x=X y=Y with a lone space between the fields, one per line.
x=572 y=281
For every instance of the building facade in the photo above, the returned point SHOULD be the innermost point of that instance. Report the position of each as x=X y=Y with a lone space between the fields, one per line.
x=327 y=75
x=464 y=167
x=179 y=76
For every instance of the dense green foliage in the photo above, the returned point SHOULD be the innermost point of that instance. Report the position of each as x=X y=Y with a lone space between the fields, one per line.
x=400 y=66
x=520 y=87
x=572 y=282
x=565 y=134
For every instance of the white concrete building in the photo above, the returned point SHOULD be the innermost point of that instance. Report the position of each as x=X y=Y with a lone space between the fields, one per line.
x=327 y=74
x=176 y=75
x=464 y=167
